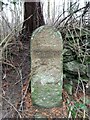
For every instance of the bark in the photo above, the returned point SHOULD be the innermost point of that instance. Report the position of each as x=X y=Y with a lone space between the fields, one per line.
x=32 y=9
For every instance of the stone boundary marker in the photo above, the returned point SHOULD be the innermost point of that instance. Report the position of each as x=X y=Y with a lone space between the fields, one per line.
x=46 y=67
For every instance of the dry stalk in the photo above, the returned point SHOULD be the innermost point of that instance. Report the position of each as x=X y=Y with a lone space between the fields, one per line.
x=84 y=113
x=12 y=106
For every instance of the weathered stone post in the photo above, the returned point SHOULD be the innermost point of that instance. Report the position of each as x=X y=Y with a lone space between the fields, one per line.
x=46 y=67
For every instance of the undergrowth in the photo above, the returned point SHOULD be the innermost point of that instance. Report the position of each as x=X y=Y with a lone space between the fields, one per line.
x=76 y=59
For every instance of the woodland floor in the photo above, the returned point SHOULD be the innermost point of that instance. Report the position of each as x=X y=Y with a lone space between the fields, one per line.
x=16 y=95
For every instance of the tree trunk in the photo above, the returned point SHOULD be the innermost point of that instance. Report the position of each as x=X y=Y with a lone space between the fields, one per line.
x=32 y=10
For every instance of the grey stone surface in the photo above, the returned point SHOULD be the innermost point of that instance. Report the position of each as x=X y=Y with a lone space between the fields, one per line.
x=46 y=67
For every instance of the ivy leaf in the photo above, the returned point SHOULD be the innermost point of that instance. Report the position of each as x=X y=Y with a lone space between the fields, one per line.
x=81 y=106
x=73 y=112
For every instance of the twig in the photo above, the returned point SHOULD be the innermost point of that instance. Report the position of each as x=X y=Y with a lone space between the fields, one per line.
x=21 y=78
x=12 y=106
x=70 y=15
x=63 y=13
x=7 y=37
x=83 y=92
x=21 y=104
x=70 y=113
